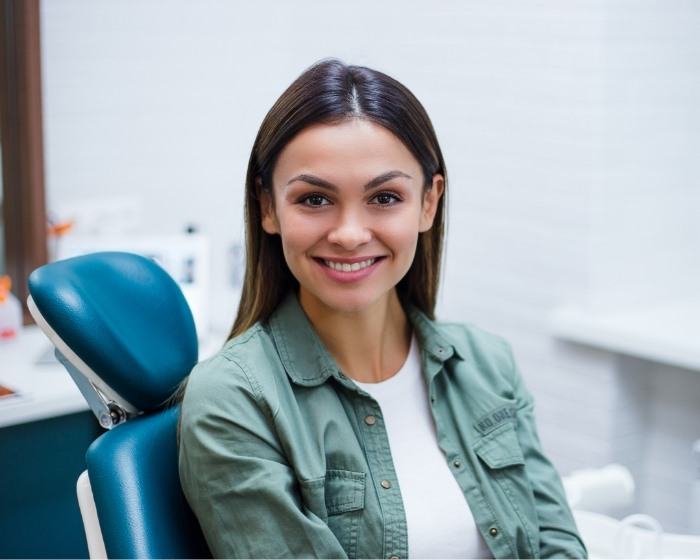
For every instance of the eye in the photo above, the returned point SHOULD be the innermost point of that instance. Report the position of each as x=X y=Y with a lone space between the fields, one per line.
x=387 y=199
x=314 y=200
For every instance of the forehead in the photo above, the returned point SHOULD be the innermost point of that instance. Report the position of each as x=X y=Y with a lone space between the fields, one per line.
x=352 y=149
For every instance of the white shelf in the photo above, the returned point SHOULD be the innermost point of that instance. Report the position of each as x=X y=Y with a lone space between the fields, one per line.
x=668 y=334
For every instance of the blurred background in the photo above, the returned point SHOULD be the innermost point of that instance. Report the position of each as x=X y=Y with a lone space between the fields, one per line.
x=571 y=132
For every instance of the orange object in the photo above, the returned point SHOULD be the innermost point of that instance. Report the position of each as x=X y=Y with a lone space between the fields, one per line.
x=10 y=311
x=5 y=286
x=8 y=333
x=5 y=391
x=61 y=228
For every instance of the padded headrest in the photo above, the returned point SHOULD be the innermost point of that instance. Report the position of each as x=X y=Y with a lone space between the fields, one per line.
x=125 y=317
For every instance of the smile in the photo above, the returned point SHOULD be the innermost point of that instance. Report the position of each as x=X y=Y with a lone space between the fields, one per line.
x=345 y=272
x=345 y=267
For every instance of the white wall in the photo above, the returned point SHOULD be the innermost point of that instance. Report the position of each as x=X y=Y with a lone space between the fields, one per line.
x=570 y=131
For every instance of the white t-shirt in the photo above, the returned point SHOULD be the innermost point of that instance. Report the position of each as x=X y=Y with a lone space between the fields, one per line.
x=440 y=522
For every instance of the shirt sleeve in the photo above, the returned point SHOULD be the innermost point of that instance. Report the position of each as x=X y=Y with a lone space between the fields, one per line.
x=235 y=474
x=559 y=537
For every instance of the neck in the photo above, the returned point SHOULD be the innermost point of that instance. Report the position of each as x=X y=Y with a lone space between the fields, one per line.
x=369 y=345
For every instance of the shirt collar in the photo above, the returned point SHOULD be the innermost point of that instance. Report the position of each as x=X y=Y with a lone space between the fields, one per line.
x=308 y=362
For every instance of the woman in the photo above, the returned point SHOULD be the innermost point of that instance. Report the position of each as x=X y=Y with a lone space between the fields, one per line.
x=341 y=419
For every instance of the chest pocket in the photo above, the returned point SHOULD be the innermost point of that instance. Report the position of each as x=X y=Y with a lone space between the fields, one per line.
x=502 y=455
x=500 y=448
x=338 y=499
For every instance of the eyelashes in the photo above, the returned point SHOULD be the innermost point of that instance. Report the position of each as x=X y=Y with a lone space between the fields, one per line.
x=313 y=197
x=393 y=197
x=384 y=199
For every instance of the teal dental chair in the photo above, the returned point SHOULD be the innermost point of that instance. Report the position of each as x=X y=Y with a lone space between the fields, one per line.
x=124 y=332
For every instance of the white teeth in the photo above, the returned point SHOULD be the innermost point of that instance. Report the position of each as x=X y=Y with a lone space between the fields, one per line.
x=345 y=267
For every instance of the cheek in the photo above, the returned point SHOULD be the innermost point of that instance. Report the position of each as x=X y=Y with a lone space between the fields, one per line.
x=300 y=232
x=401 y=233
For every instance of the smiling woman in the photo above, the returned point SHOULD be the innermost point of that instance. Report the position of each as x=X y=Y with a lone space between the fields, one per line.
x=335 y=205
x=341 y=419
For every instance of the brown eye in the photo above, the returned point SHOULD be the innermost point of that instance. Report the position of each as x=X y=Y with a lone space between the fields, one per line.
x=314 y=200
x=386 y=199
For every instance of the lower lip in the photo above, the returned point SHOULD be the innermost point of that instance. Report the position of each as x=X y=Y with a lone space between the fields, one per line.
x=348 y=277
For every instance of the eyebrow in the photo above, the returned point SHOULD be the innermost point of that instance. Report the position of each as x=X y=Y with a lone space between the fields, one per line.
x=317 y=181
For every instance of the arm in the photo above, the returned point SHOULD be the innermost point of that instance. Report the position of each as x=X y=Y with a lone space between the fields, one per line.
x=558 y=533
x=235 y=475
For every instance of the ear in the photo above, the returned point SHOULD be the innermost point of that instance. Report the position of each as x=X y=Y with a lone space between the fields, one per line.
x=431 y=198
x=267 y=211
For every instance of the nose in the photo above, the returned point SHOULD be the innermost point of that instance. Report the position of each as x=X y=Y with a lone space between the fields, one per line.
x=350 y=232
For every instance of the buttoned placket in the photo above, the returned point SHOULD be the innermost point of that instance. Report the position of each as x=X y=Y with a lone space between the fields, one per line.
x=376 y=444
x=482 y=511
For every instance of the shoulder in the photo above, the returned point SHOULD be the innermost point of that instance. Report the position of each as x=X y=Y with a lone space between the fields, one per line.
x=489 y=351
x=228 y=377
x=469 y=341
x=472 y=339
x=472 y=336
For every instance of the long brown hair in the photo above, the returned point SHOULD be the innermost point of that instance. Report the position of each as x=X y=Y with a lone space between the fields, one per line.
x=329 y=92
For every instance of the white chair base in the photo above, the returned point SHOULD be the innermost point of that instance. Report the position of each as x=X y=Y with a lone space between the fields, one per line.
x=93 y=533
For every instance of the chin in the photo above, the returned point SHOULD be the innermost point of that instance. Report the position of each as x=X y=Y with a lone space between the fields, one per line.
x=349 y=301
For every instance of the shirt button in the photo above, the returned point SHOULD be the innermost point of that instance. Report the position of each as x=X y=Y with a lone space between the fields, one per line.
x=385 y=484
x=370 y=420
x=457 y=463
x=493 y=531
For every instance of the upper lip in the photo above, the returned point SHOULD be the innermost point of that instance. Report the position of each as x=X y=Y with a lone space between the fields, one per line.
x=347 y=260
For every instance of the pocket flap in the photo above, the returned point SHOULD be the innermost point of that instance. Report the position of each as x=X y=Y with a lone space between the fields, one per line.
x=345 y=491
x=500 y=448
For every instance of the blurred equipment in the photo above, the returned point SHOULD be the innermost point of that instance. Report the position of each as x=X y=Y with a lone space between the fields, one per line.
x=635 y=536
x=600 y=489
x=185 y=257
x=116 y=223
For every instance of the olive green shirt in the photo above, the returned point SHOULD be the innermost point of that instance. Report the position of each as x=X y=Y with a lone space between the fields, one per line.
x=283 y=456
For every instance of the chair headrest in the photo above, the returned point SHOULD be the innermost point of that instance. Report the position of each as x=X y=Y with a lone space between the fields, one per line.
x=124 y=317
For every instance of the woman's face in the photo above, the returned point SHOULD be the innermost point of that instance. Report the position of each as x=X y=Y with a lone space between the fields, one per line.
x=348 y=204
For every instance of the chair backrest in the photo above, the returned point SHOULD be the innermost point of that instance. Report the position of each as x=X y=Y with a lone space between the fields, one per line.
x=124 y=331
x=135 y=484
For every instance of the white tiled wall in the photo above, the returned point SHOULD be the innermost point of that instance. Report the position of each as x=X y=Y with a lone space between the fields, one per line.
x=570 y=129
